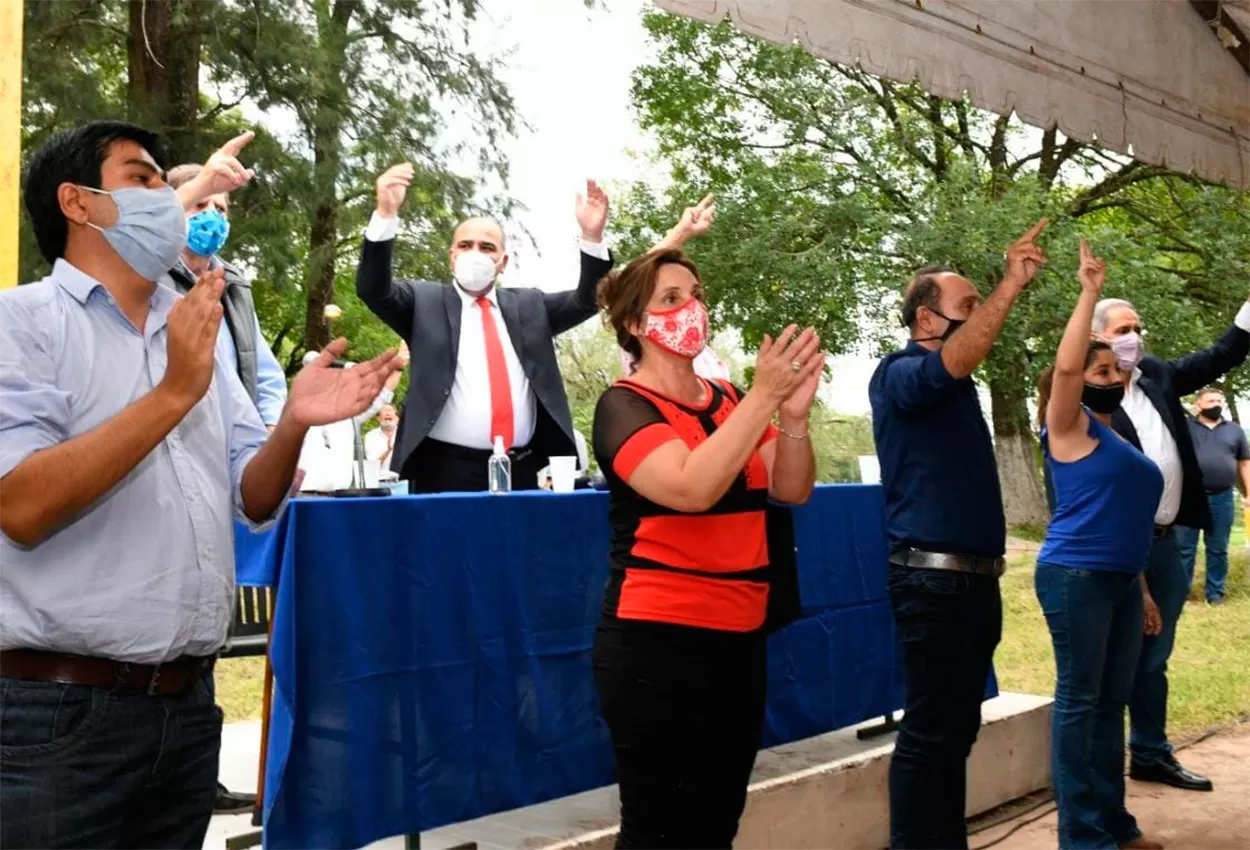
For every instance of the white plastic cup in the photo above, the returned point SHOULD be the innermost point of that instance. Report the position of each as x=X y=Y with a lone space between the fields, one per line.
x=563 y=471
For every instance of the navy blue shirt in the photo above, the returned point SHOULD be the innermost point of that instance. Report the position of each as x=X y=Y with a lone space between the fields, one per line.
x=1219 y=449
x=937 y=460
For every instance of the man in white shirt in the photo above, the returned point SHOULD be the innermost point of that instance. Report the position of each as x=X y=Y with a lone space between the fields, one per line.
x=380 y=442
x=1152 y=418
x=483 y=357
x=329 y=451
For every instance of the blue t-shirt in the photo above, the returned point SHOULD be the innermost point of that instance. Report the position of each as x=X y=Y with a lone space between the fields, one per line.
x=937 y=459
x=1104 y=506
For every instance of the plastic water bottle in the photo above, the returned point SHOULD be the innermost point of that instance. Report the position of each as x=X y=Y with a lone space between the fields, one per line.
x=499 y=469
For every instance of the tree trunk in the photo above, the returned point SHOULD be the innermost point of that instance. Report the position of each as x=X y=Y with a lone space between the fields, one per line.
x=327 y=133
x=1024 y=499
x=164 y=60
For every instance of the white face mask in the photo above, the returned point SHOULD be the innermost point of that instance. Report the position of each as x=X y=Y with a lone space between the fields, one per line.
x=474 y=272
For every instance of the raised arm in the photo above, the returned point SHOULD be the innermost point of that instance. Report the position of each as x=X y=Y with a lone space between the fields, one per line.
x=391 y=301
x=222 y=173
x=1064 y=417
x=1203 y=368
x=566 y=310
x=56 y=478
x=661 y=467
x=970 y=345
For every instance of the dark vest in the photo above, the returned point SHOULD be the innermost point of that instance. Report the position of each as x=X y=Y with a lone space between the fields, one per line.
x=240 y=315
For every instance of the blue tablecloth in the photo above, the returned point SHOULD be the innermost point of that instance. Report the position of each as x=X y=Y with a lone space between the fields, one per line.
x=431 y=655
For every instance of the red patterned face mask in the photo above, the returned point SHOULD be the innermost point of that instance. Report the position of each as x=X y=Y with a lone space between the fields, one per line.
x=682 y=330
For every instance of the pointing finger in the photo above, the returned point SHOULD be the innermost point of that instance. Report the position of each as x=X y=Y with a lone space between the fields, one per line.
x=1033 y=232
x=238 y=143
x=705 y=203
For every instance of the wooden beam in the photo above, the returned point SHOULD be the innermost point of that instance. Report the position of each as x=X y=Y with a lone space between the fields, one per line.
x=11 y=142
x=1211 y=10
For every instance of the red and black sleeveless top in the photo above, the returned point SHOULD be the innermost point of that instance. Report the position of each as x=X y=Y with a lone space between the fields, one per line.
x=707 y=570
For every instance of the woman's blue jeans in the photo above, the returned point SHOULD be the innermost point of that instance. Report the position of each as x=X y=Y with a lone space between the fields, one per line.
x=1095 y=619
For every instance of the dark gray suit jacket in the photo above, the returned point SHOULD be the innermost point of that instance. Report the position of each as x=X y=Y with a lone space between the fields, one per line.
x=427 y=315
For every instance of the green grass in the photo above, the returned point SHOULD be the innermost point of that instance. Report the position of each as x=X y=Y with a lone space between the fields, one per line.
x=1209 y=672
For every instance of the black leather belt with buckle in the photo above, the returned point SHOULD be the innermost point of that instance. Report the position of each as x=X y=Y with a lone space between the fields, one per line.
x=945 y=561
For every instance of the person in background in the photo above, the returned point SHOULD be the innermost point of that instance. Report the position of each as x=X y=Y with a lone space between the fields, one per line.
x=1224 y=458
x=484 y=357
x=679 y=657
x=1153 y=419
x=128 y=449
x=1088 y=577
x=947 y=536
x=380 y=442
x=208 y=228
x=326 y=460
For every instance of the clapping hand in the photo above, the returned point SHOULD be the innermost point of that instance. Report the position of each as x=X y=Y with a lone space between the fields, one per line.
x=321 y=394
x=191 y=339
x=1025 y=258
x=592 y=212
x=799 y=403
x=393 y=187
x=785 y=368
x=1092 y=272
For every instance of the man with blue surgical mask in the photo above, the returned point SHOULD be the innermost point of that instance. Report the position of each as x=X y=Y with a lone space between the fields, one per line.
x=208 y=229
x=128 y=450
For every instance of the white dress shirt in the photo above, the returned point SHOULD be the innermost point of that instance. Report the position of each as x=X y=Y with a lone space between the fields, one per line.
x=1158 y=445
x=378 y=447
x=1157 y=442
x=465 y=420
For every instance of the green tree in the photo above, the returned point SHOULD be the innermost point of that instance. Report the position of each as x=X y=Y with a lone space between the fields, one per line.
x=833 y=186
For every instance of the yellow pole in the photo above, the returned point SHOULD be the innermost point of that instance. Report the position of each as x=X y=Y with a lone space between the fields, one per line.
x=11 y=142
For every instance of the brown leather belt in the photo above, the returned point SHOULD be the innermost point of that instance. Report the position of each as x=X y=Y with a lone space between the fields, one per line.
x=172 y=677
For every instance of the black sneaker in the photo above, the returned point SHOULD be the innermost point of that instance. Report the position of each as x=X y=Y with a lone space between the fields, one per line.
x=1219 y=600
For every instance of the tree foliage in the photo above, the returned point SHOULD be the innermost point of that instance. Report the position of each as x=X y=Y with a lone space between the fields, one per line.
x=347 y=88
x=834 y=186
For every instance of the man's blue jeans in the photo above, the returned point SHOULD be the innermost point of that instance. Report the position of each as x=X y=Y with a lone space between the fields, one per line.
x=1148 y=706
x=1223 y=511
x=1095 y=619
x=106 y=767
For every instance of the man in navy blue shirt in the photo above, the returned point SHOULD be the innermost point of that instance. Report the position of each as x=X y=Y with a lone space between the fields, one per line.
x=947 y=536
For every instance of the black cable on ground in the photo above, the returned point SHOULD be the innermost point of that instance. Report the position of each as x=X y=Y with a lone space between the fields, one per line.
x=1048 y=801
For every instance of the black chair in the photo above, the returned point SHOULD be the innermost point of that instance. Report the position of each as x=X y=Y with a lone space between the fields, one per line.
x=249 y=636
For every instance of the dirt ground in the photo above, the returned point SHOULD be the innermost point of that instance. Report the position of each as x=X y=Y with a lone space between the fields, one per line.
x=1181 y=820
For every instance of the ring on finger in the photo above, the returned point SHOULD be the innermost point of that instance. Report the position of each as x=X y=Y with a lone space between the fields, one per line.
x=795 y=365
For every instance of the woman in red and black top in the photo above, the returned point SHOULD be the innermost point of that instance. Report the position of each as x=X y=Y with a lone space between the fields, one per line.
x=690 y=464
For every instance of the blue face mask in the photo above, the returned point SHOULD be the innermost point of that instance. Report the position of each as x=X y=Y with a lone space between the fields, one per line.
x=207 y=232
x=150 y=231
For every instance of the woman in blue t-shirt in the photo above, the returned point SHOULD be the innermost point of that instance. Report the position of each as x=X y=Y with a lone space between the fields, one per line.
x=1088 y=577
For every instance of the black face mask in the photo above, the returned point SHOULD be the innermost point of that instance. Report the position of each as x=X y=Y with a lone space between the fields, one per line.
x=952 y=325
x=1211 y=413
x=1102 y=399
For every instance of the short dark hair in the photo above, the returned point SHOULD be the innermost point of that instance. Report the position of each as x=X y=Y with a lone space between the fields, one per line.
x=923 y=291
x=73 y=156
x=623 y=295
x=1208 y=391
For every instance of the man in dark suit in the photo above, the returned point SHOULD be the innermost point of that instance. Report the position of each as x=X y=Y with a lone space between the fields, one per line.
x=1152 y=418
x=483 y=359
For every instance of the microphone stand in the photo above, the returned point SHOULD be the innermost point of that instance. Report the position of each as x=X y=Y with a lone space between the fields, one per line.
x=358 y=487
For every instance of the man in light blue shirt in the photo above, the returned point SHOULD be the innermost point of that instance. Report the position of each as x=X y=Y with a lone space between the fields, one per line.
x=127 y=450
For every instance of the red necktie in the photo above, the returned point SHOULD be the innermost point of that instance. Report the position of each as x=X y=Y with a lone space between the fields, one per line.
x=500 y=386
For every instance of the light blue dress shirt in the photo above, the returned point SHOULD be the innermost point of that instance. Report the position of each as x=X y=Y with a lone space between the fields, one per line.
x=146 y=574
